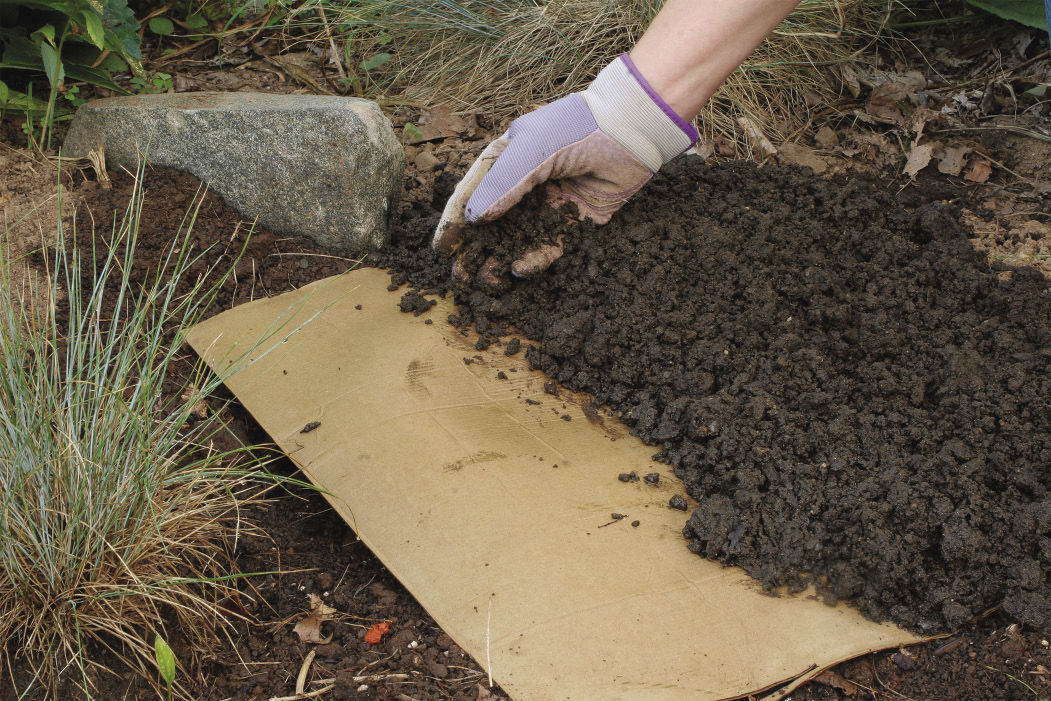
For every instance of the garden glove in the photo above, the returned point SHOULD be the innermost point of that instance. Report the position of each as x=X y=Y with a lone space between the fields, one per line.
x=599 y=147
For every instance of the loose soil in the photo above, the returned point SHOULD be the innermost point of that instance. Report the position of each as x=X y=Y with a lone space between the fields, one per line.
x=304 y=534
x=852 y=394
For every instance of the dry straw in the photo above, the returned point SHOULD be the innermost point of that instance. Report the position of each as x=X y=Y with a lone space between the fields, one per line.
x=501 y=57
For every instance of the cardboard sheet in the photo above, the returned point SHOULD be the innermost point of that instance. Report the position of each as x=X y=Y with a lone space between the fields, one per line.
x=495 y=512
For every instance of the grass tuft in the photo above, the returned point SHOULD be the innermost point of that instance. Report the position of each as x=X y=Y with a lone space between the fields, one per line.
x=115 y=517
x=501 y=57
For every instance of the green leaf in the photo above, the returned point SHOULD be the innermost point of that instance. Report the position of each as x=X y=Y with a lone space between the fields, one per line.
x=123 y=34
x=5 y=93
x=47 y=33
x=162 y=26
x=165 y=660
x=196 y=22
x=375 y=61
x=93 y=26
x=413 y=132
x=113 y=63
x=52 y=64
x=1027 y=12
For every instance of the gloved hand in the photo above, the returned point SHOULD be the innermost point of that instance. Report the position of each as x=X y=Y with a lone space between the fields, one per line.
x=598 y=147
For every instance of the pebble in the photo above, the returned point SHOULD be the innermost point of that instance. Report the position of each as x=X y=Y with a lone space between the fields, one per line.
x=904 y=661
x=678 y=502
x=426 y=161
x=628 y=477
x=330 y=649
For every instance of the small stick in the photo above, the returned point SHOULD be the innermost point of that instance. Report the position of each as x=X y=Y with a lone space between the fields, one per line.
x=380 y=677
x=305 y=695
x=756 y=136
x=301 y=680
x=331 y=42
x=488 y=659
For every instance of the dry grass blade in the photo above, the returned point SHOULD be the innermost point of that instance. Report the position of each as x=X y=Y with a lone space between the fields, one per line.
x=114 y=522
x=503 y=57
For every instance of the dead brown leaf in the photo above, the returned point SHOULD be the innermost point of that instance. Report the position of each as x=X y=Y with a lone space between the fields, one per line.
x=850 y=79
x=953 y=159
x=883 y=108
x=830 y=678
x=309 y=628
x=441 y=123
x=802 y=156
x=826 y=138
x=919 y=158
x=920 y=118
x=890 y=92
x=980 y=171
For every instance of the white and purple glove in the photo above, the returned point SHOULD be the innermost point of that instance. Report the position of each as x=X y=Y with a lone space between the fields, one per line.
x=599 y=147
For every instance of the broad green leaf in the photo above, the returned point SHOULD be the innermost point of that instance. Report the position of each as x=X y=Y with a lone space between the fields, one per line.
x=94 y=75
x=52 y=64
x=196 y=22
x=14 y=100
x=165 y=660
x=375 y=61
x=93 y=26
x=162 y=26
x=47 y=33
x=113 y=63
x=1028 y=12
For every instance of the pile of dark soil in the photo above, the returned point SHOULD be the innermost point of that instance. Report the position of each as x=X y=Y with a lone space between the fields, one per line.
x=854 y=397
x=311 y=543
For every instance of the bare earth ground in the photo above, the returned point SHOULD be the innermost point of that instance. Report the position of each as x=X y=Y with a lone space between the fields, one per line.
x=1009 y=212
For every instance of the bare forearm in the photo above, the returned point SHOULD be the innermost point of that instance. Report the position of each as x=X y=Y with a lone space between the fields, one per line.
x=693 y=45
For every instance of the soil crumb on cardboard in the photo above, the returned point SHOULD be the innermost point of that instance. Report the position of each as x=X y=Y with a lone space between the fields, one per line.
x=853 y=397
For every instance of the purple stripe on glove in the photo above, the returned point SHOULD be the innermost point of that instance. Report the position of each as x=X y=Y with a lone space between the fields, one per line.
x=534 y=137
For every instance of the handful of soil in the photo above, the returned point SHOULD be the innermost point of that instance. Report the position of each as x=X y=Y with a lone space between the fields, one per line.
x=851 y=394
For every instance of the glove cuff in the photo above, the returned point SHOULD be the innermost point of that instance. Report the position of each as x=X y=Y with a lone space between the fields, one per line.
x=630 y=111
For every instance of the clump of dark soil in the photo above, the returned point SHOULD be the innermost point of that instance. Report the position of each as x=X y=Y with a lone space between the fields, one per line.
x=854 y=397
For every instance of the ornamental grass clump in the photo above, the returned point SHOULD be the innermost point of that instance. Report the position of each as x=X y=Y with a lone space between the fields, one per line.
x=116 y=519
x=502 y=57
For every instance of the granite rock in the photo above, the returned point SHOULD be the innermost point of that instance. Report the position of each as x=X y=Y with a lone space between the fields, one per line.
x=328 y=168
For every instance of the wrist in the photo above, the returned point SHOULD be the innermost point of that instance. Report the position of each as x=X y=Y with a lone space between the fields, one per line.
x=629 y=110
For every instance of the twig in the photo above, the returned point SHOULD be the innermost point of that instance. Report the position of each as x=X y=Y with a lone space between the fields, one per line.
x=885 y=686
x=305 y=695
x=755 y=135
x=331 y=42
x=488 y=659
x=374 y=678
x=321 y=255
x=301 y=680
x=1021 y=131
x=1032 y=183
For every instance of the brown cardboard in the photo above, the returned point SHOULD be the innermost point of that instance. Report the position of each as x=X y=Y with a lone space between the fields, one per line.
x=496 y=513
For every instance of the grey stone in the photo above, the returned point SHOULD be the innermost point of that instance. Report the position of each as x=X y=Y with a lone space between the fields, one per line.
x=328 y=168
